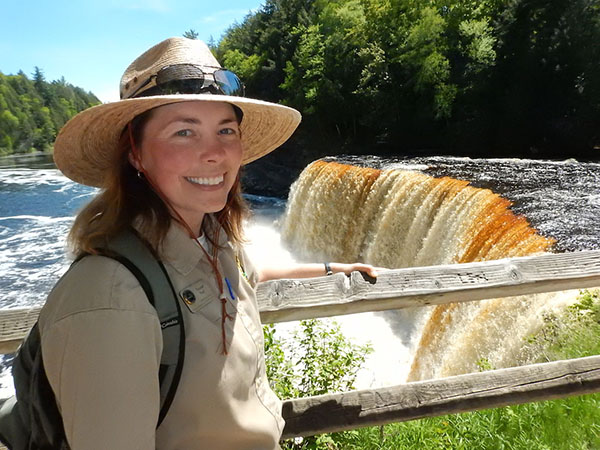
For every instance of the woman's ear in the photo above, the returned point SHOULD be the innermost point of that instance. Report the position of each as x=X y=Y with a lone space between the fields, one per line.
x=133 y=160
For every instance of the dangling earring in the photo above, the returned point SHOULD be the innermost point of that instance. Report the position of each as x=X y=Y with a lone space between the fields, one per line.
x=140 y=175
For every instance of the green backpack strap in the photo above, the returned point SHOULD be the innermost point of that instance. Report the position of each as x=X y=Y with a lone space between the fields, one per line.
x=132 y=251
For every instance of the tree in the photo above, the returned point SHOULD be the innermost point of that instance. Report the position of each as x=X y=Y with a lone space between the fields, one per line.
x=190 y=34
x=545 y=87
x=473 y=76
x=248 y=68
x=305 y=72
x=268 y=33
x=33 y=110
x=38 y=78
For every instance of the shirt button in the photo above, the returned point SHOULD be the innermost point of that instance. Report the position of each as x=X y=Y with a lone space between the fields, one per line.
x=188 y=297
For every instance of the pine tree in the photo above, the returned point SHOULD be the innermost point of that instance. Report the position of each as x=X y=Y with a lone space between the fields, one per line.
x=190 y=34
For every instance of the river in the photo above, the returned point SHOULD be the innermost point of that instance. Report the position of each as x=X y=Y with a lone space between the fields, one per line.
x=37 y=205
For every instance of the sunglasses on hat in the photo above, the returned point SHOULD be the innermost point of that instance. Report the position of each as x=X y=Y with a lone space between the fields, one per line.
x=191 y=79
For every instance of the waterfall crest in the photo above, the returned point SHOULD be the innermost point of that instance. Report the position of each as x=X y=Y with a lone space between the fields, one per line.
x=400 y=218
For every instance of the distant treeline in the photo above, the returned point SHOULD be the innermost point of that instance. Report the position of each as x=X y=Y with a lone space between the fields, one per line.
x=481 y=77
x=32 y=111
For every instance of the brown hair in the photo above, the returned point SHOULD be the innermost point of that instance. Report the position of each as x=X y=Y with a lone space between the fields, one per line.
x=126 y=198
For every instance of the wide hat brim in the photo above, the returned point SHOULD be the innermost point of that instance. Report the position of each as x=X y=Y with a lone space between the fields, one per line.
x=87 y=146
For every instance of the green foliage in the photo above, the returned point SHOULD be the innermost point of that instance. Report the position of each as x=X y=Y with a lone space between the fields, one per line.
x=479 y=46
x=474 y=75
x=246 y=67
x=280 y=368
x=574 y=335
x=304 y=74
x=318 y=359
x=484 y=364
x=569 y=424
x=32 y=111
x=190 y=34
x=269 y=34
x=564 y=424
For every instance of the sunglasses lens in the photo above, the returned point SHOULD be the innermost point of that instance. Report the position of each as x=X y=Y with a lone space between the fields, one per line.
x=229 y=83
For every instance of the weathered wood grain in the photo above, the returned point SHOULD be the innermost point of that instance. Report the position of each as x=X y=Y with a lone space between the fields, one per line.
x=350 y=410
x=14 y=326
x=287 y=300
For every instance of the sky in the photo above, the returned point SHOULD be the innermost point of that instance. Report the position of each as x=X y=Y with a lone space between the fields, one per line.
x=91 y=42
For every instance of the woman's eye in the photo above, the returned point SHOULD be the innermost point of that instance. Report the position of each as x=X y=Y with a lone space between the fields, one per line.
x=227 y=131
x=183 y=133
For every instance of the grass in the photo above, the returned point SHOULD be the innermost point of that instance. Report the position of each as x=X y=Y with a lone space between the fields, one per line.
x=572 y=423
x=565 y=424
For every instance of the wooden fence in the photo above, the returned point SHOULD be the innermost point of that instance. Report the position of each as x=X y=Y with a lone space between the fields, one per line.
x=287 y=300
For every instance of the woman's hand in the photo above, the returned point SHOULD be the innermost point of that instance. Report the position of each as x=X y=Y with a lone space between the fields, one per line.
x=312 y=270
x=349 y=268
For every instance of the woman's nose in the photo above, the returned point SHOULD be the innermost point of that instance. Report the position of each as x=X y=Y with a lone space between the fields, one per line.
x=212 y=151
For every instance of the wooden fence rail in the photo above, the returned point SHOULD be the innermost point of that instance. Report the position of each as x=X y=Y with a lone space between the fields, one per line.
x=461 y=393
x=286 y=300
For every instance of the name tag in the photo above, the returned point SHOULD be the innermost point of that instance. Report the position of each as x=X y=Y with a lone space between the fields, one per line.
x=197 y=295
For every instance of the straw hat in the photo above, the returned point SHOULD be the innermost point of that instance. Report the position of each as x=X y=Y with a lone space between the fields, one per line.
x=88 y=143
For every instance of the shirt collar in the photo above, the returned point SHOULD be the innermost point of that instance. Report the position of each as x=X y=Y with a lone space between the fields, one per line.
x=182 y=252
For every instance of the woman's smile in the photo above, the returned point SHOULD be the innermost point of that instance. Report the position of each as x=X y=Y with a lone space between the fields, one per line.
x=206 y=181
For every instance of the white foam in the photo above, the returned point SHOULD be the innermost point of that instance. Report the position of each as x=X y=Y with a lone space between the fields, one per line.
x=7 y=386
x=42 y=220
x=264 y=246
x=389 y=362
x=33 y=177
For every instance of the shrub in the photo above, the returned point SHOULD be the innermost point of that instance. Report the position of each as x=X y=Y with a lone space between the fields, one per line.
x=317 y=359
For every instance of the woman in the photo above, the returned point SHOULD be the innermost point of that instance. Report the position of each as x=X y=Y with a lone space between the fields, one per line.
x=167 y=159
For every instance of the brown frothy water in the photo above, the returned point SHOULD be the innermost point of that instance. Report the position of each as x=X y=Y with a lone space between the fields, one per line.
x=400 y=218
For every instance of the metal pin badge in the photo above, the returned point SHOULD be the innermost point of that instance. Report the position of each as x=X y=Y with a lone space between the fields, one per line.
x=188 y=296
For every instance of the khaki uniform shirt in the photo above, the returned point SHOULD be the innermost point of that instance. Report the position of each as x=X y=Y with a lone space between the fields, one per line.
x=102 y=344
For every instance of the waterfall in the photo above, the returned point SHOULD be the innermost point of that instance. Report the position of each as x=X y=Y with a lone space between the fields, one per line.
x=400 y=218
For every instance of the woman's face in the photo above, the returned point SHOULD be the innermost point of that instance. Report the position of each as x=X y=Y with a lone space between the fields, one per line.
x=192 y=151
